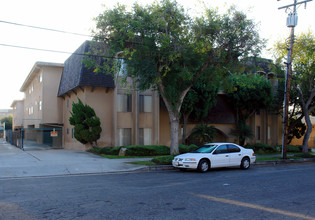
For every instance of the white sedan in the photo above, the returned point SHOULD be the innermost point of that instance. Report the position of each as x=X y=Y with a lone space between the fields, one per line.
x=215 y=155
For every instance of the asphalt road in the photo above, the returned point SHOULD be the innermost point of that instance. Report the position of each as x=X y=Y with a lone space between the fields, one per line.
x=262 y=192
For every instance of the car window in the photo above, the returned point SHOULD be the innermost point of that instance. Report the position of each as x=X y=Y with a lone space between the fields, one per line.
x=205 y=149
x=223 y=149
x=234 y=149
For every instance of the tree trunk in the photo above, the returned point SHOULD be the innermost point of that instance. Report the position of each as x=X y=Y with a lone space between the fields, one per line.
x=173 y=112
x=307 y=134
x=174 y=134
x=306 y=111
x=185 y=128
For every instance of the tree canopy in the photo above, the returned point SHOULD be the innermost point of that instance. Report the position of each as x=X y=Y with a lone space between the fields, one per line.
x=7 y=121
x=303 y=76
x=167 y=49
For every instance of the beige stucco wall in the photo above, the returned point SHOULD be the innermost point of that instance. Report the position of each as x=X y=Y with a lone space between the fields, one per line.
x=45 y=92
x=311 y=141
x=17 y=114
x=51 y=104
x=101 y=101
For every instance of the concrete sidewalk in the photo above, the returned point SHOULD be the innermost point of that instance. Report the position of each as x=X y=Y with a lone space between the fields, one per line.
x=17 y=163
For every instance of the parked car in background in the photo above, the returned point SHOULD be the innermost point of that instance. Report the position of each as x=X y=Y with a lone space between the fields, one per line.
x=214 y=155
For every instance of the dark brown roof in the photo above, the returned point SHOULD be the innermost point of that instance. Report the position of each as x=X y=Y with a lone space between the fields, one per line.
x=75 y=74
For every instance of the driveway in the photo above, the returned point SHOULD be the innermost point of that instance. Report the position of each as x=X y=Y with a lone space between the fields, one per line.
x=17 y=163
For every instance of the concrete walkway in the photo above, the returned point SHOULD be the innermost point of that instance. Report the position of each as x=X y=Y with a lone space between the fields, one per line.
x=17 y=163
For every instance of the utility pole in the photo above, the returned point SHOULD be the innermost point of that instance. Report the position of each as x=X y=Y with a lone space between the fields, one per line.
x=291 y=23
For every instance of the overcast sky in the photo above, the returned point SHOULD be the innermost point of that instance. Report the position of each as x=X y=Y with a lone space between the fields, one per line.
x=77 y=16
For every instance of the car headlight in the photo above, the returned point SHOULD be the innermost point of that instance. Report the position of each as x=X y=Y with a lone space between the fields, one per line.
x=190 y=159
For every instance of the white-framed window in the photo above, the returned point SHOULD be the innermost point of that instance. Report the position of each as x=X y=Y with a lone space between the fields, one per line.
x=40 y=105
x=145 y=136
x=124 y=102
x=145 y=103
x=123 y=136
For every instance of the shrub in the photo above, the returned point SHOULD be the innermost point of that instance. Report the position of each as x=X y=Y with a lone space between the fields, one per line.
x=163 y=160
x=292 y=148
x=147 y=150
x=186 y=148
x=105 y=150
x=262 y=148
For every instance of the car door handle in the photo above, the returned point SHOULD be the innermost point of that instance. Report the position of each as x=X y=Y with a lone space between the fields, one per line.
x=239 y=154
x=226 y=155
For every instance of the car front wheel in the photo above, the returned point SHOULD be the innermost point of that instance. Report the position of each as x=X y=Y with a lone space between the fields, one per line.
x=203 y=165
x=245 y=164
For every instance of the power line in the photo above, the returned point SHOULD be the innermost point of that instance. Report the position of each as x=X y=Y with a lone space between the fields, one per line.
x=57 y=51
x=46 y=29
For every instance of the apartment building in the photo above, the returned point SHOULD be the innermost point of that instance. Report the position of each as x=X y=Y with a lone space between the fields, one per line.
x=17 y=114
x=127 y=116
x=42 y=107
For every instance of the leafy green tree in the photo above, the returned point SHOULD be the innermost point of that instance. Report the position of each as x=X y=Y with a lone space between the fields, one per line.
x=87 y=129
x=197 y=103
x=8 y=122
x=250 y=93
x=303 y=76
x=168 y=50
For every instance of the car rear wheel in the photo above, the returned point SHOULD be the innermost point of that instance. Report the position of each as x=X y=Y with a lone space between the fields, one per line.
x=245 y=164
x=203 y=165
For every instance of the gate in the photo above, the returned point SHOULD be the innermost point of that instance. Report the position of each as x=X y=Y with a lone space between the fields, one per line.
x=35 y=138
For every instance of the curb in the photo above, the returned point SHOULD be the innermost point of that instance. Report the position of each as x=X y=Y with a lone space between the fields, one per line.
x=270 y=162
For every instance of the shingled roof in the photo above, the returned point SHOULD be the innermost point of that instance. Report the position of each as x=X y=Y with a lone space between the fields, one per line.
x=76 y=75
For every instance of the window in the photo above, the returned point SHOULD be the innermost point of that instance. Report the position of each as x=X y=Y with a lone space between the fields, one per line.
x=124 y=102
x=222 y=149
x=72 y=133
x=234 y=149
x=67 y=103
x=269 y=135
x=40 y=77
x=145 y=136
x=145 y=103
x=40 y=105
x=67 y=131
x=258 y=132
x=30 y=110
x=124 y=136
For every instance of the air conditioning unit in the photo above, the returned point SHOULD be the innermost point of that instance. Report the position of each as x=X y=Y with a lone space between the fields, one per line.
x=292 y=20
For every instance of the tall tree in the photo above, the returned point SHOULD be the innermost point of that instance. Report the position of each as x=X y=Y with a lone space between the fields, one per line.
x=250 y=94
x=167 y=49
x=198 y=101
x=86 y=124
x=303 y=76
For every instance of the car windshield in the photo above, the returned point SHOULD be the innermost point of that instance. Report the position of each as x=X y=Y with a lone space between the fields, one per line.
x=205 y=149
